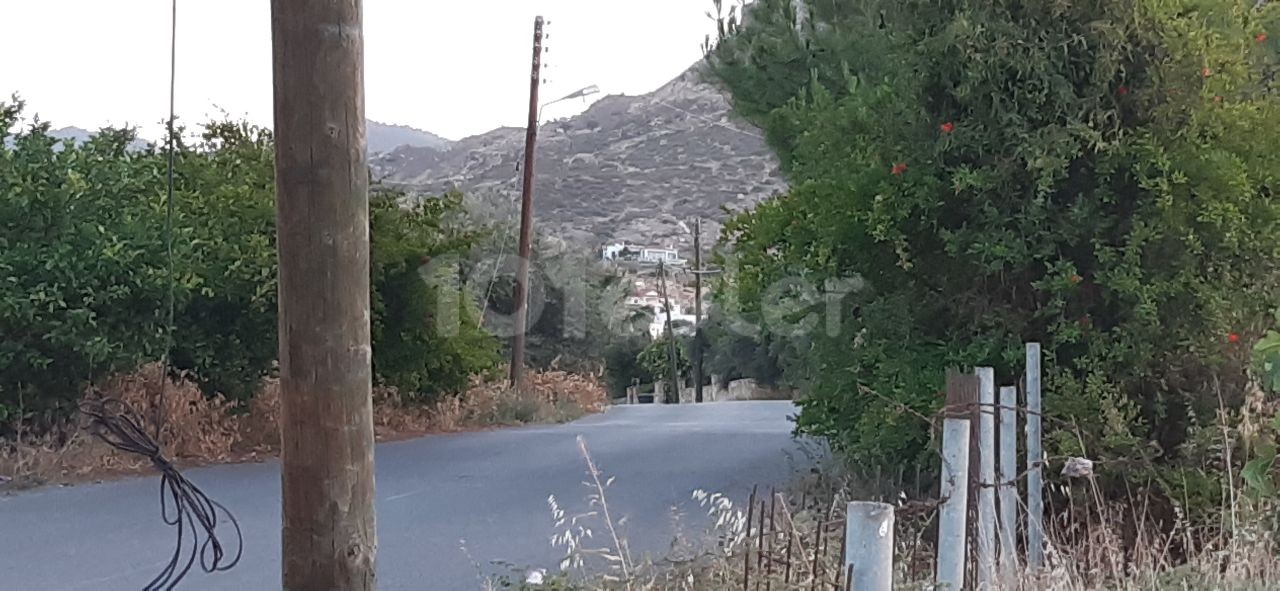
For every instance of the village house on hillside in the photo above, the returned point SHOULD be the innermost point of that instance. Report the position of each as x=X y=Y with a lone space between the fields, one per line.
x=649 y=298
x=622 y=252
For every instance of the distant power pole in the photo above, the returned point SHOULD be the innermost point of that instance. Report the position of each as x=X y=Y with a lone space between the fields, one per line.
x=526 y=212
x=698 y=272
x=671 y=336
x=322 y=211
x=697 y=309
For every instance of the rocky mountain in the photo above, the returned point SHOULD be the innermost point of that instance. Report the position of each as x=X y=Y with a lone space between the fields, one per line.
x=81 y=135
x=384 y=137
x=633 y=168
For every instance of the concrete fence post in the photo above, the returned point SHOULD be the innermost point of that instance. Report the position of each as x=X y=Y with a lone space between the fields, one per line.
x=1035 y=459
x=869 y=546
x=717 y=387
x=962 y=392
x=986 y=542
x=1008 y=472
x=659 y=392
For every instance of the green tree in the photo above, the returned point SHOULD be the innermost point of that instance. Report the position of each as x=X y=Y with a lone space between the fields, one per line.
x=738 y=354
x=86 y=273
x=655 y=359
x=428 y=340
x=1092 y=175
x=225 y=258
x=81 y=265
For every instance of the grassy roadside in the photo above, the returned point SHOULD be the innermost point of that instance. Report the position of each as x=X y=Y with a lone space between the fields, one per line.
x=785 y=541
x=198 y=430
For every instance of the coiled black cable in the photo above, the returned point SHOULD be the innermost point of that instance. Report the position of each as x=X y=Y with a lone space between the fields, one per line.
x=182 y=504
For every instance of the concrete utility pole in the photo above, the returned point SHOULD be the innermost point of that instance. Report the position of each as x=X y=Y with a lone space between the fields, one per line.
x=322 y=184
x=526 y=212
x=671 y=335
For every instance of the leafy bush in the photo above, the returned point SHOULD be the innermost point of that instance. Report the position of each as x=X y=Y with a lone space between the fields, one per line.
x=656 y=359
x=225 y=259
x=1091 y=175
x=419 y=353
x=1266 y=356
x=735 y=354
x=622 y=364
x=1259 y=474
x=580 y=321
x=81 y=262
x=85 y=272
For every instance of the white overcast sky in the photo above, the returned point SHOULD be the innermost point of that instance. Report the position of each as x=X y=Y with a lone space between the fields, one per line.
x=453 y=67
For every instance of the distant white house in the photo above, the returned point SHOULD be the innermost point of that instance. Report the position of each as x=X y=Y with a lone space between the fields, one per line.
x=658 y=325
x=622 y=252
x=649 y=299
x=644 y=299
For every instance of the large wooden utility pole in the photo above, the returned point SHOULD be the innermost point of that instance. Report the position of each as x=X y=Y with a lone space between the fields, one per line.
x=526 y=212
x=322 y=184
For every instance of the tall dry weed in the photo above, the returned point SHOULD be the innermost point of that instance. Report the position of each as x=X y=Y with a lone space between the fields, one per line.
x=197 y=429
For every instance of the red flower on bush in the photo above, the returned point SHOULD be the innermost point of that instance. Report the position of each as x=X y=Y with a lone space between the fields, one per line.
x=1123 y=90
x=1076 y=279
x=1260 y=38
x=1207 y=72
x=947 y=127
x=898 y=168
x=1233 y=338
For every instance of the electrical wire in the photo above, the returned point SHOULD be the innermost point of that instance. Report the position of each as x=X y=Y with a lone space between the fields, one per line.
x=168 y=220
x=182 y=504
x=497 y=266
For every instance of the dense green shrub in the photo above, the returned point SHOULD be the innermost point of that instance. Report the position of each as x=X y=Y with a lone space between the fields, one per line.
x=225 y=258
x=735 y=354
x=622 y=363
x=81 y=262
x=84 y=272
x=1096 y=175
x=655 y=359
x=428 y=340
x=579 y=318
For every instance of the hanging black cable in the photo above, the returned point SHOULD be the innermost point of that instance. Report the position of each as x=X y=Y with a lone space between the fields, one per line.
x=182 y=504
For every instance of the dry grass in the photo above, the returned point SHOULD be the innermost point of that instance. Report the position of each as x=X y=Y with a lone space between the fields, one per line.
x=201 y=430
x=1093 y=545
x=195 y=429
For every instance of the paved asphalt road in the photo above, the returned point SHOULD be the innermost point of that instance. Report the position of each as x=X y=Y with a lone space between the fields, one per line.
x=489 y=489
